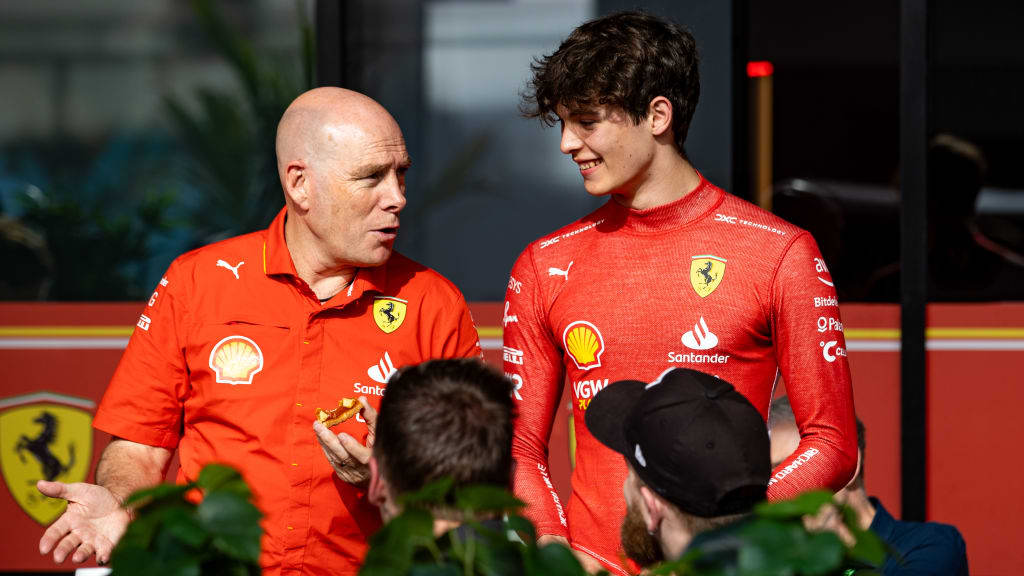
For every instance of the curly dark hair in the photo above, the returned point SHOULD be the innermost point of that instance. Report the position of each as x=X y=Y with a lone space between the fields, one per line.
x=445 y=418
x=623 y=60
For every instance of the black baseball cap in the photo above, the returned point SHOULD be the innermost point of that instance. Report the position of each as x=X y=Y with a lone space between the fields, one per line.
x=691 y=437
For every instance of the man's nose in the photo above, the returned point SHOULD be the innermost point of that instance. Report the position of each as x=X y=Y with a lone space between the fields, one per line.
x=393 y=199
x=570 y=142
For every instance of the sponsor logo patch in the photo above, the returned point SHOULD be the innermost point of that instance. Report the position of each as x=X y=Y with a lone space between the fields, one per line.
x=233 y=269
x=382 y=371
x=700 y=338
x=826 y=301
x=517 y=380
x=585 y=391
x=820 y=268
x=706 y=274
x=44 y=436
x=569 y=234
x=552 y=271
x=514 y=285
x=388 y=313
x=831 y=350
x=584 y=344
x=236 y=360
x=507 y=319
x=827 y=323
x=513 y=355
x=143 y=322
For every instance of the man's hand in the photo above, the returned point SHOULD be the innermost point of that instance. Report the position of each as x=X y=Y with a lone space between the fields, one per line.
x=829 y=519
x=347 y=456
x=589 y=564
x=92 y=524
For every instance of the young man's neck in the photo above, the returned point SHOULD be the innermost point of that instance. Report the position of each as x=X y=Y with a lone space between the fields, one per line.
x=669 y=178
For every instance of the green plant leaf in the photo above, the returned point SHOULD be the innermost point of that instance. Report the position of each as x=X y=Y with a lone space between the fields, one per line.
x=157 y=494
x=486 y=498
x=804 y=504
x=554 y=559
x=434 y=493
x=523 y=527
x=233 y=523
x=393 y=547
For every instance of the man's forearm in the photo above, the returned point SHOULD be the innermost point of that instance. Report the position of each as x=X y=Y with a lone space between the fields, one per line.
x=126 y=466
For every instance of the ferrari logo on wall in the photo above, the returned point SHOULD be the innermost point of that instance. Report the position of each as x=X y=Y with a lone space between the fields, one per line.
x=706 y=273
x=44 y=436
x=388 y=313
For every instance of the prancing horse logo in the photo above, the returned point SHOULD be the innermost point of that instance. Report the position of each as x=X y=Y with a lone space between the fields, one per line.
x=39 y=448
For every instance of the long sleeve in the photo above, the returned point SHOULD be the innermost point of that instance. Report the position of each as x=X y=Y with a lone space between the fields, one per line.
x=533 y=360
x=811 y=351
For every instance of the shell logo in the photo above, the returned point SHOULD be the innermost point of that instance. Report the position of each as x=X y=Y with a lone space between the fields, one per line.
x=235 y=360
x=584 y=343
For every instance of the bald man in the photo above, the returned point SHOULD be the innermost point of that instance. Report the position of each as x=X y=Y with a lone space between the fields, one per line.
x=243 y=341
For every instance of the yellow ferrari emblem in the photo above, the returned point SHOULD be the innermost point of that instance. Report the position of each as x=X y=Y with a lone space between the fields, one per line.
x=44 y=436
x=388 y=313
x=706 y=273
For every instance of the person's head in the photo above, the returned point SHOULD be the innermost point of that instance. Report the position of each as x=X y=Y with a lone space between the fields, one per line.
x=341 y=159
x=697 y=452
x=624 y=88
x=441 y=418
x=785 y=437
x=956 y=174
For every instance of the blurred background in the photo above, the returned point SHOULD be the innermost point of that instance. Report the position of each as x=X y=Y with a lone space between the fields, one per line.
x=132 y=131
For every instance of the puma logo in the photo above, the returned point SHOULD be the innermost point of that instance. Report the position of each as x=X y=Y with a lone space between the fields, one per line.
x=234 y=269
x=558 y=272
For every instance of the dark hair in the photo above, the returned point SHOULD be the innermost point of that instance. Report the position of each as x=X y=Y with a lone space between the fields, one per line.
x=445 y=418
x=623 y=60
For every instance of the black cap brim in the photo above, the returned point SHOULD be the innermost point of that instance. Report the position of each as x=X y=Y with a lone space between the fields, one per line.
x=608 y=411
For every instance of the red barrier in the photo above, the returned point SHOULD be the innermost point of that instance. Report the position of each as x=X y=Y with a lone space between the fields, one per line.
x=69 y=351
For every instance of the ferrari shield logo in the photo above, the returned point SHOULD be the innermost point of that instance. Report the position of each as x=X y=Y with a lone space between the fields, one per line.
x=706 y=273
x=44 y=436
x=388 y=313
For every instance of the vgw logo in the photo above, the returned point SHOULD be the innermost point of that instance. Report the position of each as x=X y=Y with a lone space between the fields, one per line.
x=44 y=436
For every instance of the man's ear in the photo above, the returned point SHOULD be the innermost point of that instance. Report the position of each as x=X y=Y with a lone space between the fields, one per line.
x=379 y=489
x=651 y=508
x=296 y=184
x=659 y=115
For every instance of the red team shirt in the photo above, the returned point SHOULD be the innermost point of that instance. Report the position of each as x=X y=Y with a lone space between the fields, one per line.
x=233 y=355
x=709 y=282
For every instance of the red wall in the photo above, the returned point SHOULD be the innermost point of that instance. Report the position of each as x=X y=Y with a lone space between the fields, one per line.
x=974 y=403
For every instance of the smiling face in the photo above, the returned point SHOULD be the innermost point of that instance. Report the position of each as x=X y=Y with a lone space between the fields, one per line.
x=357 y=189
x=614 y=155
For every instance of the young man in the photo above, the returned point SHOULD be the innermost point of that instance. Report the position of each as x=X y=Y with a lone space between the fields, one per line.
x=671 y=271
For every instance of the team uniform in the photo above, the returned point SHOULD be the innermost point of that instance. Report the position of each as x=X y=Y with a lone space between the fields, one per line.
x=233 y=355
x=709 y=282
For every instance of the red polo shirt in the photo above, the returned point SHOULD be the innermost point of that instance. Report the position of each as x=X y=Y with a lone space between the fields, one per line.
x=234 y=353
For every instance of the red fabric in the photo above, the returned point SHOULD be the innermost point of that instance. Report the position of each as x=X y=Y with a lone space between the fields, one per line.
x=165 y=391
x=627 y=275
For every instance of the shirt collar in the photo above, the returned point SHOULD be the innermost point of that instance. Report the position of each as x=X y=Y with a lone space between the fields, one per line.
x=883 y=524
x=278 y=260
x=694 y=205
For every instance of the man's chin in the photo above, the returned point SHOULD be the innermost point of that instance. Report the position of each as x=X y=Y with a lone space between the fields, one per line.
x=638 y=545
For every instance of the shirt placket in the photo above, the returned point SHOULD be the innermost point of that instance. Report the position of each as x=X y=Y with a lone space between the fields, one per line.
x=297 y=521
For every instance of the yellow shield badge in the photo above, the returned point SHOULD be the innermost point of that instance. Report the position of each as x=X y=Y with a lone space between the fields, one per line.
x=44 y=436
x=706 y=273
x=388 y=313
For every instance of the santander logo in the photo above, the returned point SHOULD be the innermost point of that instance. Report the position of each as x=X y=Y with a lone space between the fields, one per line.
x=701 y=337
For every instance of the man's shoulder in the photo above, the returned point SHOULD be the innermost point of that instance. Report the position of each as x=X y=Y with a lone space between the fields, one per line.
x=748 y=216
x=569 y=236
x=405 y=275
x=230 y=250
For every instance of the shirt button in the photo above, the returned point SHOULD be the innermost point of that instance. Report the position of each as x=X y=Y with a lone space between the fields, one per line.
x=289 y=527
x=295 y=464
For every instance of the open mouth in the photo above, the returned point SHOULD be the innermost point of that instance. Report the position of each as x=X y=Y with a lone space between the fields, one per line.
x=589 y=165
